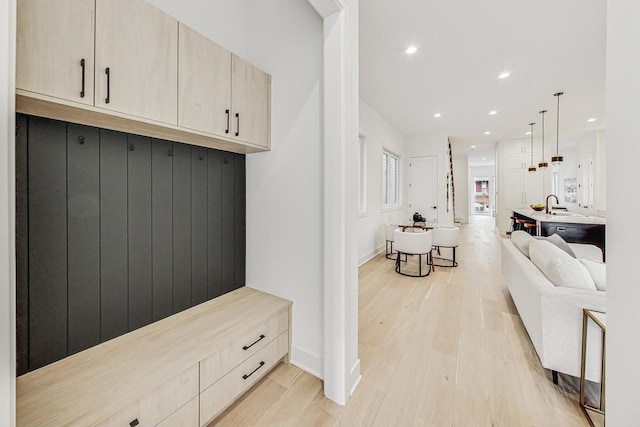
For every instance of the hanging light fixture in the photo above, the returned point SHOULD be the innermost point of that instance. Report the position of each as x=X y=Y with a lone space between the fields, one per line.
x=557 y=159
x=543 y=165
x=532 y=168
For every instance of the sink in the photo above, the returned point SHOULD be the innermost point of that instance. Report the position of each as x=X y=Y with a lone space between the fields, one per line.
x=564 y=213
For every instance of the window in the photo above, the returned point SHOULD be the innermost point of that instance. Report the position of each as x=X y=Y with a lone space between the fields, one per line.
x=389 y=195
x=362 y=177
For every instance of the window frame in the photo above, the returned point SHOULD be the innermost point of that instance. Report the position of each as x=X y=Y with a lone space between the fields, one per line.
x=363 y=182
x=384 y=181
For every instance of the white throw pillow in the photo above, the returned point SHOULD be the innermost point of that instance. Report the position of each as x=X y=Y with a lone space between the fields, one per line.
x=598 y=272
x=560 y=267
x=522 y=240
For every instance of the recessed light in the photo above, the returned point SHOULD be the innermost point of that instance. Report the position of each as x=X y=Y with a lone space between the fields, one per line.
x=436 y=115
x=473 y=147
x=487 y=133
x=504 y=75
x=528 y=133
x=484 y=158
x=591 y=120
x=492 y=112
x=411 y=50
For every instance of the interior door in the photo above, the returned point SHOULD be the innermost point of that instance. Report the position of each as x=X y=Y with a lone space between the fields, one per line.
x=423 y=187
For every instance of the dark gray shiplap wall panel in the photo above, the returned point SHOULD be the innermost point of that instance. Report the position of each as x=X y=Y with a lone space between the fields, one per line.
x=22 y=247
x=239 y=215
x=214 y=231
x=161 y=220
x=47 y=241
x=181 y=227
x=117 y=232
x=114 y=280
x=228 y=222
x=83 y=222
x=139 y=230
x=199 y=252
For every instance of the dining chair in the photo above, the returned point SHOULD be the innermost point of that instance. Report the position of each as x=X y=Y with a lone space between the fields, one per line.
x=446 y=236
x=414 y=242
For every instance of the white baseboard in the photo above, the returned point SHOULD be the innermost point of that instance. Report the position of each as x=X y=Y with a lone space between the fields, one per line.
x=307 y=361
x=354 y=377
x=370 y=255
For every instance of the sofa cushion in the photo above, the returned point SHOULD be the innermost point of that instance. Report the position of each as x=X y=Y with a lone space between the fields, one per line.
x=559 y=267
x=522 y=239
x=598 y=272
x=559 y=242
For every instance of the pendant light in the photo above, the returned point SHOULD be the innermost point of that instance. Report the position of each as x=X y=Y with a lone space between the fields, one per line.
x=532 y=168
x=557 y=159
x=543 y=165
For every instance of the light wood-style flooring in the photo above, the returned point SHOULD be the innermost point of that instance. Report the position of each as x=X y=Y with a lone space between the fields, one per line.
x=445 y=350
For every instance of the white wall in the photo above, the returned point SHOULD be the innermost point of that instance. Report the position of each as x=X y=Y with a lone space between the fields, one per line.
x=7 y=224
x=433 y=145
x=285 y=185
x=623 y=292
x=461 y=182
x=378 y=134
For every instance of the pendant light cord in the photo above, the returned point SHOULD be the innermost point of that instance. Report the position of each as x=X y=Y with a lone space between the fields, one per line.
x=558 y=122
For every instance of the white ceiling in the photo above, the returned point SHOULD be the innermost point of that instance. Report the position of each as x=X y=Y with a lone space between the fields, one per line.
x=546 y=45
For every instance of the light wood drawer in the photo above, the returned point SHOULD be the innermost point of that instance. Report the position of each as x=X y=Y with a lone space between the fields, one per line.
x=160 y=403
x=216 y=398
x=248 y=342
x=187 y=416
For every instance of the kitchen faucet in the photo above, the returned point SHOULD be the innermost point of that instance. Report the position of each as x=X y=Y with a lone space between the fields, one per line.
x=546 y=208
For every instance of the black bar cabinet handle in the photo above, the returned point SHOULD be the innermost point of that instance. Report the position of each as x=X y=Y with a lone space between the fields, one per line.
x=228 y=120
x=245 y=376
x=134 y=423
x=82 y=65
x=108 y=73
x=247 y=347
x=237 y=124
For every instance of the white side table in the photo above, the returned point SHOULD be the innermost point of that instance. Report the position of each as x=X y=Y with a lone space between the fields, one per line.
x=600 y=319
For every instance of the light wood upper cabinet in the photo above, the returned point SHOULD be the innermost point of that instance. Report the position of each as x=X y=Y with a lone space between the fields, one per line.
x=138 y=44
x=221 y=93
x=250 y=102
x=204 y=89
x=54 y=40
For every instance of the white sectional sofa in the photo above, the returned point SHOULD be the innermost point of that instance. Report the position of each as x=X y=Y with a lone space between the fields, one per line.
x=552 y=315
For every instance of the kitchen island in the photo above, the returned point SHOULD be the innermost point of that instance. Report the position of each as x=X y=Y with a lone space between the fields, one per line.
x=572 y=227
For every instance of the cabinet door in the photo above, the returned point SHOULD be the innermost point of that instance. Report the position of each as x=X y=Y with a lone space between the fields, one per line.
x=251 y=99
x=514 y=192
x=532 y=188
x=138 y=44
x=204 y=90
x=53 y=41
x=513 y=161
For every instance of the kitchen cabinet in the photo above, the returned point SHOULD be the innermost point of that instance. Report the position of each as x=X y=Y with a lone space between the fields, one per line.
x=136 y=61
x=518 y=187
x=55 y=49
x=221 y=93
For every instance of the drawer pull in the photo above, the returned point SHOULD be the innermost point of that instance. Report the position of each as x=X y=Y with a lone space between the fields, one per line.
x=561 y=229
x=247 y=347
x=245 y=376
x=134 y=423
x=227 y=130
